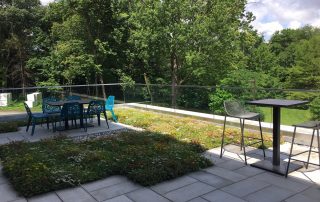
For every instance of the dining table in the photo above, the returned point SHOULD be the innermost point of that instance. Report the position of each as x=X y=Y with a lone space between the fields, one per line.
x=62 y=102
x=276 y=165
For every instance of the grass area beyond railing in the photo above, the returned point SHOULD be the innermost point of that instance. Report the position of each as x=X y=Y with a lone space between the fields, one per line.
x=144 y=157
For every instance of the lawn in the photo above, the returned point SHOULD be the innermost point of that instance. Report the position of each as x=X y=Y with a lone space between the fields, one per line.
x=144 y=157
x=288 y=116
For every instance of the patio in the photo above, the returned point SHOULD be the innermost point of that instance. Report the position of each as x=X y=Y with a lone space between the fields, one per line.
x=228 y=180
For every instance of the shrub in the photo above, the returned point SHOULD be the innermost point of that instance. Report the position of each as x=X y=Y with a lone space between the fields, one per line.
x=315 y=108
x=216 y=100
x=6 y=127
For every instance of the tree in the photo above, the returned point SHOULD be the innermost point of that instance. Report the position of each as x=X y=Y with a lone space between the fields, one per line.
x=192 y=41
x=18 y=20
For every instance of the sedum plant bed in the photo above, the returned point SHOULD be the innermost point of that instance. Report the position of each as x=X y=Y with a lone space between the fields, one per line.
x=186 y=129
x=144 y=157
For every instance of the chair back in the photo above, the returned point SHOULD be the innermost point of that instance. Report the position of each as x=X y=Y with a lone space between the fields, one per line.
x=96 y=107
x=71 y=109
x=27 y=109
x=110 y=102
x=233 y=108
x=73 y=97
x=46 y=108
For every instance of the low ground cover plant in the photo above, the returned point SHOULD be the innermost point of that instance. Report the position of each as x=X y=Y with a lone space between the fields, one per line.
x=144 y=157
x=186 y=129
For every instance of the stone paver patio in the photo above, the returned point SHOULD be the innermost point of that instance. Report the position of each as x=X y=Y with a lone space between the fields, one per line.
x=228 y=180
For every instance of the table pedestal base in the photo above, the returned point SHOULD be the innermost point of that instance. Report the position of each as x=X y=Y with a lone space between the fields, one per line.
x=280 y=170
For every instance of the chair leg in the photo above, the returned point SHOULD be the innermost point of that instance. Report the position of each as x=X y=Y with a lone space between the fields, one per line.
x=242 y=141
x=28 y=124
x=293 y=136
x=48 y=123
x=33 y=127
x=98 y=116
x=264 y=153
x=106 y=117
x=310 y=148
x=222 y=141
x=86 y=124
x=114 y=116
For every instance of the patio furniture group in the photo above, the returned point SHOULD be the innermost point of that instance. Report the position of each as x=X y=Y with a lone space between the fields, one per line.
x=236 y=110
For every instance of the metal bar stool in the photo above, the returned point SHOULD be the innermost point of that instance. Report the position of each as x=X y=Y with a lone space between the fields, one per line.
x=236 y=110
x=309 y=125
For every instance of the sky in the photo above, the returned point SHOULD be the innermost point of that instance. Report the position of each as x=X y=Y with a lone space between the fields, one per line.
x=275 y=15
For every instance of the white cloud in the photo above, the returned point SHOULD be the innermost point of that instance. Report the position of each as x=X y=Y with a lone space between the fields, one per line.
x=46 y=2
x=287 y=13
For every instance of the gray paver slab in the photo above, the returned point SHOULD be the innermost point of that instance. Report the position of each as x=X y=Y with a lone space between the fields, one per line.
x=170 y=185
x=104 y=183
x=249 y=171
x=210 y=179
x=121 y=198
x=189 y=192
x=114 y=190
x=231 y=165
x=142 y=195
x=221 y=172
x=198 y=199
x=218 y=195
x=300 y=198
x=270 y=194
x=75 y=194
x=312 y=192
x=7 y=193
x=52 y=197
x=245 y=187
x=283 y=182
x=20 y=200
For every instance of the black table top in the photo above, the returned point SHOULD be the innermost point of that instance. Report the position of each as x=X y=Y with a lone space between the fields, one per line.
x=60 y=103
x=277 y=102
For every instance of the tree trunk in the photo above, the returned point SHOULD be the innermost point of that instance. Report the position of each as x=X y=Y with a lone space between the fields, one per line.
x=102 y=87
x=174 y=68
x=22 y=74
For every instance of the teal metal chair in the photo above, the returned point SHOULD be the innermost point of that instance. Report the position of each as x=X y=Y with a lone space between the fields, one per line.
x=96 y=107
x=46 y=108
x=109 y=107
x=33 y=118
x=73 y=97
x=70 y=111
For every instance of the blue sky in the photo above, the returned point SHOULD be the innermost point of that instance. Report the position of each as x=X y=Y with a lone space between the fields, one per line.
x=273 y=15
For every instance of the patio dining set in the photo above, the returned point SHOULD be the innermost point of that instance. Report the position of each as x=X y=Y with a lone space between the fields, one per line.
x=68 y=110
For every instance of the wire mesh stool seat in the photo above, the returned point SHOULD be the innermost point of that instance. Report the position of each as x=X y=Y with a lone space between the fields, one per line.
x=314 y=125
x=235 y=109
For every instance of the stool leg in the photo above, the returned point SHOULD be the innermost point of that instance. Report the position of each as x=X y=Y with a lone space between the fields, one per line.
x=318 y=144
x=310 y=148
x=242 y=141
x=241 y=145
x=264 y=153
x=293 y=136
x=222 y=141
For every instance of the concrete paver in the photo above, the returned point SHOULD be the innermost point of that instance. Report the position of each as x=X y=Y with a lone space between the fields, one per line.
x=75 y=194
x=300 y=198
x=245 y=187
x=219 y=195
x=230 y=175
x=99 y=184
x=142 y=195
x=210 y=179
x=121 y=198
x=269 y=194
x=114 y=190
x=189 y=192
x=52 y=197
x=170 y=185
